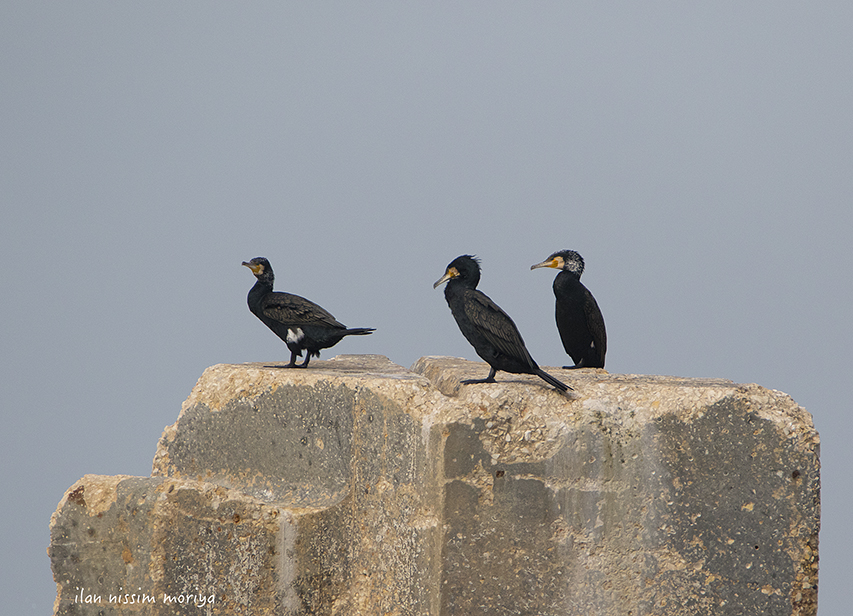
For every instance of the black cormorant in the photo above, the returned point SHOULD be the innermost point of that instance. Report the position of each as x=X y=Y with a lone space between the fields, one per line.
x=579 y=319
x=489 y=329
x=302 y=324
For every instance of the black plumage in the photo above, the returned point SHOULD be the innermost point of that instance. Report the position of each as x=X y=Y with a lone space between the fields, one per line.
x=579 y=319
x=489 y=329
x=302 y=324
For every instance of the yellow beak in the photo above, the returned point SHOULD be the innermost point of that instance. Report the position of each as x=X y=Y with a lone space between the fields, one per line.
x=256 y=269
x=451 y=272
x=555 y=263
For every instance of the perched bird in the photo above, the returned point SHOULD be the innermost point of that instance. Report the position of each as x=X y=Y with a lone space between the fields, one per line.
x=579 y=319
x=302 y=324
x=489 y=329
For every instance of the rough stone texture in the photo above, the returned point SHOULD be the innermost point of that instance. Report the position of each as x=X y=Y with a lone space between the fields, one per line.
x=645 y=495
x=121 y=543
x=358 y=487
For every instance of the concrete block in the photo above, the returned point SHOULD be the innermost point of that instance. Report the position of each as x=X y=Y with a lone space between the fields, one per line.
x=143 y=545
x=359 y=487
x=646 y=495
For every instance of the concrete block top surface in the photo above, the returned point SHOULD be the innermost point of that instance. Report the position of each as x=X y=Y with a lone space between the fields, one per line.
x=640 y=397
x=222 y=383
x=597 y=390
x=628 y=400
x=224 y=413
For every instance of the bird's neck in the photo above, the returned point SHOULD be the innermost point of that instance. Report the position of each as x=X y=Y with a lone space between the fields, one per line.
x=257 y=292
x=567 y=277
x=455 y=289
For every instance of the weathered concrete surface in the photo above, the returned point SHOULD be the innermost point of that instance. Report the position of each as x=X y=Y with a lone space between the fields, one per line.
x=347 y=437
x=646 y=495
x=289 y=436
x=146 y=545
x=360 y=487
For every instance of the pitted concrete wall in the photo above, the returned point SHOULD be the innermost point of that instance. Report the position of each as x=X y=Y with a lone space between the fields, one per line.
x=359 y=487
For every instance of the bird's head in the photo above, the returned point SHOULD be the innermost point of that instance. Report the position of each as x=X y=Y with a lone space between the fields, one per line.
x=261 y=268
x=465 y=268
x=566 y=260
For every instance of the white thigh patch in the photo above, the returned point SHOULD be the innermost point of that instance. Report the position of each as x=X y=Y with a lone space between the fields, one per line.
x=295 y=336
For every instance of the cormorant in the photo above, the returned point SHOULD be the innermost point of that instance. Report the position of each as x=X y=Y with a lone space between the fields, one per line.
x=302 y=324
x=579 y=319
x=489 y=329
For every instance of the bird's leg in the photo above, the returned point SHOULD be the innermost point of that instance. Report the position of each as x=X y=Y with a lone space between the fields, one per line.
x=577 y=365
x=305 y=363
x=292 y=363
x=488 y=379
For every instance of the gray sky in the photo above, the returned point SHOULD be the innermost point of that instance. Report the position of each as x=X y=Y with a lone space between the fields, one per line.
x=700 y=158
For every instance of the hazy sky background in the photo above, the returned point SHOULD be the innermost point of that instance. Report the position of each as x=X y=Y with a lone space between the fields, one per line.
x=700 y=158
